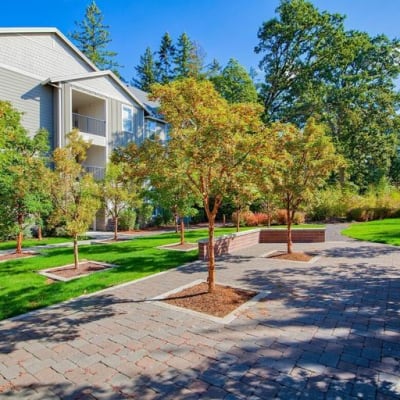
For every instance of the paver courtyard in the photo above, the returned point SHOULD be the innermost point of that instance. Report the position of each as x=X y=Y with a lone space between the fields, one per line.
x=328 y=330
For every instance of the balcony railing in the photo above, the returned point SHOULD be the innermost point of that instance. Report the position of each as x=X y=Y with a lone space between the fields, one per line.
x=97 y=172
x=89 y=124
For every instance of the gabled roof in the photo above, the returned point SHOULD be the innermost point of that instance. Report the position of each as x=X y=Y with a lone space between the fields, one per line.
x=152 y=106
x=96 y=71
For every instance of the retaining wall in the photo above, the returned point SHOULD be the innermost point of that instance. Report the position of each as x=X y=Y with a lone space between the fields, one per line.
x=227 y=243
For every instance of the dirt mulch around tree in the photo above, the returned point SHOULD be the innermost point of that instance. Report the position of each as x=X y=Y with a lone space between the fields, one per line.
x=69 y=272
x=220 y=303
x=13 y=256
x=296 y=256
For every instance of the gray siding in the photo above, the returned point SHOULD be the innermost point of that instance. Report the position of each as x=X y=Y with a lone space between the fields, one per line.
x=28 y=96
x=118 y=136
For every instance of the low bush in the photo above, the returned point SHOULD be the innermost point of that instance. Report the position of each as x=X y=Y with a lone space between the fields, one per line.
x=280 y=217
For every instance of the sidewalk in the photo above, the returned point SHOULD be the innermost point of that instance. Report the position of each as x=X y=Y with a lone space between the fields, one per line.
x=327 y=330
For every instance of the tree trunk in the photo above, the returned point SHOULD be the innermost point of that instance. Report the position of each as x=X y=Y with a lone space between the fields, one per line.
x=289 y=228
x=238 y=219
x=20 y=235
x=115 y=228
x=182 y=230
x=211 y=254
x=224 y=220
x=176 y=222
x=76 y=255
x=19 y=242
x=39 y=233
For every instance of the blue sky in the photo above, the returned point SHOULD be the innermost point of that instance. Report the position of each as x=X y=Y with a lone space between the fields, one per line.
x=224 y=28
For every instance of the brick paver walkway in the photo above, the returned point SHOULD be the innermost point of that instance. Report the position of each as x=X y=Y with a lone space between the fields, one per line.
x=327 y=330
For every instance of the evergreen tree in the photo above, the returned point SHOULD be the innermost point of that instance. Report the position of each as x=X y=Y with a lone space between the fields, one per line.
x=146 y=71
x=214 y=68
x=92 y=38
x=164 y=64
x=235 y=84
x=188 y=58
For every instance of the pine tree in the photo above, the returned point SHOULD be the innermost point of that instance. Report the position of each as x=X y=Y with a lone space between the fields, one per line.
x=146 y=71
x=92 y=38
x=164 y=64
x=188 y=58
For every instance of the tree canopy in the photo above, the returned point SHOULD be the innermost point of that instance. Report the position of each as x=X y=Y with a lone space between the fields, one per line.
x=314 y=67
x=234 y=83
x=23 y=183
x=209 y=142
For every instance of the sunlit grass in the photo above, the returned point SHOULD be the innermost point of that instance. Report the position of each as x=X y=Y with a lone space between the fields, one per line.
x=381 y=231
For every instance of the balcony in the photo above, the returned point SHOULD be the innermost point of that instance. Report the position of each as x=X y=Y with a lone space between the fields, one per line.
x=97 y=172
x=89 y=125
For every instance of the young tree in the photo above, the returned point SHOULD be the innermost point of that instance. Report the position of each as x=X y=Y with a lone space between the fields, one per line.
x=146 y=71
x=92 y=38
x=164 y=64
x=302 y=161
x=118 y=193
x=74 y=192
x=209 y=142
x=234 y=84
x=23 y=171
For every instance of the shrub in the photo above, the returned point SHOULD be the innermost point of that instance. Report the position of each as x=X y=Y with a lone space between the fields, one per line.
x=280 y=217
x=247 y=218
x=262 y=218
x=127 y=220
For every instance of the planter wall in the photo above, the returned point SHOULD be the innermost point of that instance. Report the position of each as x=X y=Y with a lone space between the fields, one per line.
x=236 y=241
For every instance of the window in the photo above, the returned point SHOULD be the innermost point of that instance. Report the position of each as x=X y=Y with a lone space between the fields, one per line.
x=127 y=119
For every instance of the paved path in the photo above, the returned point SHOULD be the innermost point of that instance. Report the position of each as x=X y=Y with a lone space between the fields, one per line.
x=327 y=330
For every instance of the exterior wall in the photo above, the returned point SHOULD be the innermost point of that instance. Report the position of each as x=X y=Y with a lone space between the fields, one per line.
x=27 y=95
x=236 y=241
x=43 y=54
x=118 y=137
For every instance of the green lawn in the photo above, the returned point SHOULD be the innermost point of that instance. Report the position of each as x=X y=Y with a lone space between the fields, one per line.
x=11 y=244
x=382 y=231
x=22 y=289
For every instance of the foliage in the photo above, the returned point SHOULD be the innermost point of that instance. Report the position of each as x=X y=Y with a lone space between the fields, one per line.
x=314 y=67
x=172 y=61
x=164 y=64
x=383 y=231
x=92 y=38
x=335 y=202
x=74 y=192
x=209 y=142
x=127 y=219
x=280 y=217
x=23 y=174
x=303 y=160
x=146 y=71
x=188 y=58
x=118 y=193
x=234 y=84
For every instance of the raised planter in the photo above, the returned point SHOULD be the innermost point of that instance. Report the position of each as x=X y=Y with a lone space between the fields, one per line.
x=227 y=243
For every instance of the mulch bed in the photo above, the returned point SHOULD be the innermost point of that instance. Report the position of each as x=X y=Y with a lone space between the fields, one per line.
x=12 y=256
x=220 y=303
x=84 y=268
x=297 y=256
